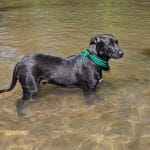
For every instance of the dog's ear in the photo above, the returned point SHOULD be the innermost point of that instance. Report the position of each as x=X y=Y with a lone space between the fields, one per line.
x=92 y=45
x=94 y=40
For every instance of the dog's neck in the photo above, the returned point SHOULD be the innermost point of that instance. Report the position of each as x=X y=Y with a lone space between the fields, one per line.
x=92 y=49
x=95 y=58
x=103 y=57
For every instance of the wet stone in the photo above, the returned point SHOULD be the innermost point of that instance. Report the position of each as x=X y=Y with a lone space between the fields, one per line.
x=119 y=128
x=144 y=143
x=144 y=113
x=142 y=129
x=93 y=145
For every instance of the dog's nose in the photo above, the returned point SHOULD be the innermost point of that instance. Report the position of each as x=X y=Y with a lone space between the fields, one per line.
x=120 y=53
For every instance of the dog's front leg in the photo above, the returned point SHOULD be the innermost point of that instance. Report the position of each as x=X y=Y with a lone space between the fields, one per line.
x=90 y=95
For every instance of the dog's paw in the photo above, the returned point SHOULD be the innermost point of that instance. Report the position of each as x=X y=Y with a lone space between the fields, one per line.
x=21 y=114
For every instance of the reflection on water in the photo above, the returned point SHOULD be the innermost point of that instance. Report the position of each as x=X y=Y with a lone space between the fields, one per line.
x=61 y=119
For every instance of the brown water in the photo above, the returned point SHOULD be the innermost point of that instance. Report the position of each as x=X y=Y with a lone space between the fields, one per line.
x=61 y=120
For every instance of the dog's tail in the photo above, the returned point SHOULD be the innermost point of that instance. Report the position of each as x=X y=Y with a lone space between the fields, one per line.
x=14 y=80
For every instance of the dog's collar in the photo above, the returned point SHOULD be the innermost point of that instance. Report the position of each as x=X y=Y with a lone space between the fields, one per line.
x=95 y=59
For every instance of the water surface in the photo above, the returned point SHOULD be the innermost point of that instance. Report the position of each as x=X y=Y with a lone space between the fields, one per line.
x=61 y=120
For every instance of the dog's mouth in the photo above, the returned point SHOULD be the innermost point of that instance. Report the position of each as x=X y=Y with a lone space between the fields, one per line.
x=117 y=55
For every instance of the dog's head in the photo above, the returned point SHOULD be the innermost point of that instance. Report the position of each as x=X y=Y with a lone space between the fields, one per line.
x=105 y=46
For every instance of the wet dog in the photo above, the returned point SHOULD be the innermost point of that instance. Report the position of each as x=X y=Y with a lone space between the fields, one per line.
x=38 y=69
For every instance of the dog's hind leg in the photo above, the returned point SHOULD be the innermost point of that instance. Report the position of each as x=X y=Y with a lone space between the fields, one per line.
x=30 y=88
x=19 y=107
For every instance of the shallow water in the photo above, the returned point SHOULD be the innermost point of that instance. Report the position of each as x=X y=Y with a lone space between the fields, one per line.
x=60 y=119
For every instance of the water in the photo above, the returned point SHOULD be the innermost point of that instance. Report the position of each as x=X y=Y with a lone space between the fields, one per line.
x=61 y=120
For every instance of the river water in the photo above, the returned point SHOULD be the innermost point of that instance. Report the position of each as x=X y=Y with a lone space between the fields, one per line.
x=60 y=119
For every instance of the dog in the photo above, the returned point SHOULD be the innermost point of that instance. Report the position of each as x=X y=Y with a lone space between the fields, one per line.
x=37 y=69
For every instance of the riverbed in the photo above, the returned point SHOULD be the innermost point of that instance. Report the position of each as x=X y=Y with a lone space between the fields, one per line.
x=60 y=119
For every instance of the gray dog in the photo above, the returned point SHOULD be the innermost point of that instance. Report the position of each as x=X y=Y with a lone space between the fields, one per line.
x=83 y=70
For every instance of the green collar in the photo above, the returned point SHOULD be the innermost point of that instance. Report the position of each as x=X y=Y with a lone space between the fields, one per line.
x=95 y=59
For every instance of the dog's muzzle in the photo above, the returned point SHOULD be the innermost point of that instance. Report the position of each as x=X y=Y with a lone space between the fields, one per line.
x=118 y=54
